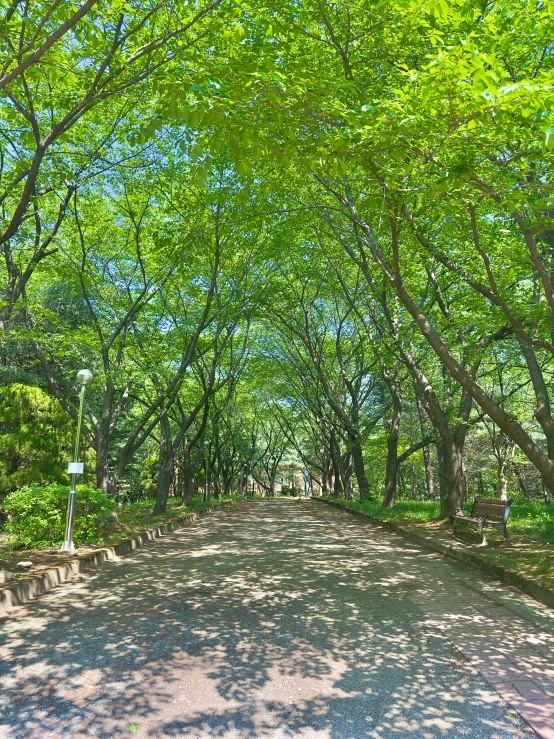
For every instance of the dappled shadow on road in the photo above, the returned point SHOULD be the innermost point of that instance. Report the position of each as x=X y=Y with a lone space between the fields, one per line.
x=261 y=622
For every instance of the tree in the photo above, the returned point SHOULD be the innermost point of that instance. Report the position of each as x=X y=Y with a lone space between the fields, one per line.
x=73 y=81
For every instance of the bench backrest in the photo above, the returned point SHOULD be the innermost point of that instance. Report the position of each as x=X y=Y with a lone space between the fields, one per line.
x=490 y=509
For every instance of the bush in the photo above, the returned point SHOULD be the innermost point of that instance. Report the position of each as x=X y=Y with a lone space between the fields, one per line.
x=36 y=438
x=37 y=514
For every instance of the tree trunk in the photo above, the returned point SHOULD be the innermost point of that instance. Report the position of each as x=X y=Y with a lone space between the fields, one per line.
x=429 y=481
x=392 y=456
x=216 y=486
x=464 y=479
x=502 y=478
x=413 y=481
x=520 y=480
x=335 y=461
x=244 y=483
x=392 y=441
x=227 y=486
x=347 y=479
x=451 y=477
x=401 y=482
x=431 y=492
x=102 y=461
x=327 y=476
x=188 y=476
x=165 y=469
x=103 y=477
x=207 y=476
x=359 y=469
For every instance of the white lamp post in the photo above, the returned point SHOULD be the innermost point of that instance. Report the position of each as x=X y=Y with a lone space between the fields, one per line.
x=74 y=468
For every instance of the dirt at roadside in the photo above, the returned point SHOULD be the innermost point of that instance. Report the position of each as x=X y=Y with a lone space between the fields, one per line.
x=42 y=559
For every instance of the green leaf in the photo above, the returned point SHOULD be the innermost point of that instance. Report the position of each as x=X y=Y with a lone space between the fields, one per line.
x=133 y=728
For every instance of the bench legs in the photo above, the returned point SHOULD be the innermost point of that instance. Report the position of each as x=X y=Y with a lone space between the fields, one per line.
x=481 y=527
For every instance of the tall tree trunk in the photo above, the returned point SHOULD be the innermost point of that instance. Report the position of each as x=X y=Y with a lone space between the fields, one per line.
x=207 y=471
x=336 y=462
x=520 y=480
x=227 y=485
x=450 y=444
x=102 y=472
x=413 y=481
x=326 y=476
x=429 y=481
x=480 y=484
x=431 y=492
x=502 y=469
x=451 y=477
x=188 y=475
x=401 y=482
x=165 y=469
x=244 y=481
x=102 y=456
x=359 y=468
x=348 y=469
x=392 y=442
x=216 y=486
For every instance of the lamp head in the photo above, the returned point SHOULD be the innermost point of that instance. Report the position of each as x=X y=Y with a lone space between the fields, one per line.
x=84 y=376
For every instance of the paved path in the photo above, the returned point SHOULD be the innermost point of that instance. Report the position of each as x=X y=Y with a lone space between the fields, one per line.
x=282 y=619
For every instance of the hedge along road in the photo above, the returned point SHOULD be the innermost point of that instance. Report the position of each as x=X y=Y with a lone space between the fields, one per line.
x=279 y=619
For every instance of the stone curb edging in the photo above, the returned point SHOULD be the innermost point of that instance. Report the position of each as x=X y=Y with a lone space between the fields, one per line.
x=19 y=593
x=528 y=585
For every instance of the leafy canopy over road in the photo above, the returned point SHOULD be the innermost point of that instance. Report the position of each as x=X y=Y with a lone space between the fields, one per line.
x=292 y=240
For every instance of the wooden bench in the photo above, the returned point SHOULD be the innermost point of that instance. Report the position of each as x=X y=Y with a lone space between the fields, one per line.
x=486 y=512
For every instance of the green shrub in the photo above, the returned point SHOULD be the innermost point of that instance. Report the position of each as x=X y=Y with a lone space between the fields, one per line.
x=37 y=514
x=37 y=438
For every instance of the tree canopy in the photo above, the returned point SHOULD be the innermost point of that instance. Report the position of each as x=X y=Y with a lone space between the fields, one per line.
x=298 y=244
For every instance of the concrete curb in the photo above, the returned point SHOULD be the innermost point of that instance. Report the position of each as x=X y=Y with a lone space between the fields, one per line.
x=528 y=585
x=16 y=594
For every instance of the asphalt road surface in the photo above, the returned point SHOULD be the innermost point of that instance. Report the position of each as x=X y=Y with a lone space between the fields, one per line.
x=279 y=619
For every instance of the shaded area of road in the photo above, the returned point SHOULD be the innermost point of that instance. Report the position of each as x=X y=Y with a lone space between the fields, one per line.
x=268 y=621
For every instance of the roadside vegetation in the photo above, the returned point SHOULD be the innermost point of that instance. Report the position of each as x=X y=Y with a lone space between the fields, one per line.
x=527 y=518
x=25 y=539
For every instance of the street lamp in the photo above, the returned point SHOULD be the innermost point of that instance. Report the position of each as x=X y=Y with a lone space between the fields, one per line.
x=75 y=468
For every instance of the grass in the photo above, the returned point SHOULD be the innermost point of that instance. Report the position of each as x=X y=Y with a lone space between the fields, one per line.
x=531 y=528
x=138 y=517
x=527 y=517
x=404 y=510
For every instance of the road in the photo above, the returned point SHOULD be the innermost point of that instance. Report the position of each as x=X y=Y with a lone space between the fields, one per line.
x=279 y=619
